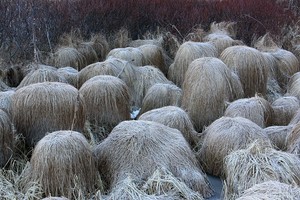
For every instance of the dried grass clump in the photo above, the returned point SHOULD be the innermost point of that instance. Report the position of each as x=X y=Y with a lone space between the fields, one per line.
x=7 y=139
x=251 y=67
x=293 y=88
x=69 y=56
x=284 y=110
x=173 y=117
x=155 y=56
x=257 y=164
x=256 y=109
x=188 y=52
x=271 y=190
x=112 y=66
x=46 y=107
x=296 y=118
x=107 y=101
x=42 y=75
x=140 y=147
x=86 y=49
x=224 y=136
x=204 y=98
x=160 y=186
x=55 y=198
x=278 y=135
x=130 y=54
x=6 y=101
x=222 y=35
x=62 y=162
x=70 y=74
x=100 y=45
x=13 y=75
x=146 y=77
x=286 y=63
x=160 y=95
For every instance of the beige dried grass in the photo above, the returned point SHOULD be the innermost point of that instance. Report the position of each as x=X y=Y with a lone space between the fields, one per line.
x=146 y=77
x=6 y=101
x=224 y=28
x=271 y=190
x=100 y=45
x=42 y=75
x=293 y=88
x=224 y=136
x=251 y=67
x=140 y=147
x=60 y=162
x=204 y=98
x=7 y=139
x=70 y=74
x=173 y=117
x=257 y=164
x=160 y=95
x=154 y=56
x=278 y=135
x=296 y=118
x=45 y=107
x=286 y=63
x=188 y=52
x=69 y=56
x=284 y=110
x=107 y=101
x=256 y=109
x=86 y=49
x=130 y=54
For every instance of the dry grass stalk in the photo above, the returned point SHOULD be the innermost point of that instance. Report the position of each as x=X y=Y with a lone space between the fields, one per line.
x=6 y=101
x=293 y=88
x=86 y=49
x=257 y=164
x=130 y=54
x=296 y=118
x=154 y=55
x=173 y=117
x=7 y=139
x=278 y=135
x=271 y=190
x=100 y=45
x=284 y=110
x=45 y=107
x=146 y=77
x=204 y=98
x=224 y=136
x=286 y=63
x=107 y=101
x=293 y=135
x=69 y=56
x=188 y=52
x=256 y=109
x=60 y=162
x=42 y=75
x=251 y=67
x=160 y=95
x=70 y=74
x=140 y=147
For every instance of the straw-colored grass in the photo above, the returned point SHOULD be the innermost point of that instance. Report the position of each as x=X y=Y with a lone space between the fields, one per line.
x=204 y=98
x=6 y=101
x=251 y=67
x=100 y=45
x=257 y=164
x=42 y=75
x=140 y=147
x=63 y=164
x=160 y=95
x=173 y=117
x=256 y=109
x=70 y=74
x=107 y=101
x=7 y=139
x=271 y=190
x=86 y=49
x=155 y=56
x=284 y=110
x=187 y=53
x=224 y=136
x=69 y=56
x=278 y=135
x=146 y=77
x=46 y=107
x=130 y=54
